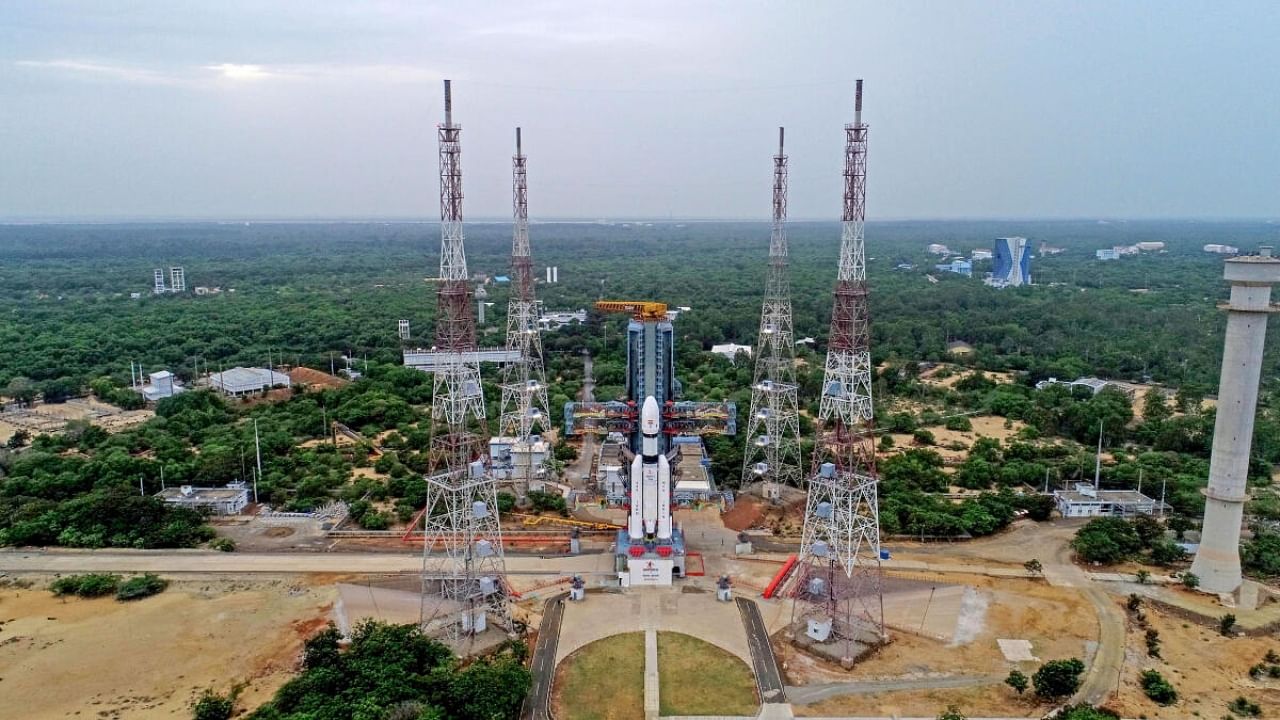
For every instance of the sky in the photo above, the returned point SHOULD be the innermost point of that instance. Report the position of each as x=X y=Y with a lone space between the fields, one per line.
x=299 y=109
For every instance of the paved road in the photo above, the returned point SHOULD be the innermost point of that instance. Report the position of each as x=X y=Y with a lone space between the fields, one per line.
x=768 y=674
x=204 y=561
x=544 y=661
x=588 y=392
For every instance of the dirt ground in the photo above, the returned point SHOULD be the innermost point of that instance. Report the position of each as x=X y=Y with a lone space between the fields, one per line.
x=151 y=658
x=1207 y=669
x=1058 y=622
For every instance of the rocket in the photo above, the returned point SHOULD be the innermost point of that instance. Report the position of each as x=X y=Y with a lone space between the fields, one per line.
x=650 y=519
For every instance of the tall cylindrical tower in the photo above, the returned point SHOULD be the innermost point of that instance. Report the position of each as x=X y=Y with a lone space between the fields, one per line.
x=1217 y=561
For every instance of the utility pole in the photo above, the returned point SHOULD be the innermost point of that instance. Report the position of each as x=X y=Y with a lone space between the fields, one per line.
x=257 y=449
x=840 y=593
x=773 y=428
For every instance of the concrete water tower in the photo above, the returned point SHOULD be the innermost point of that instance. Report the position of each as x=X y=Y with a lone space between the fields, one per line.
x=1217 y=561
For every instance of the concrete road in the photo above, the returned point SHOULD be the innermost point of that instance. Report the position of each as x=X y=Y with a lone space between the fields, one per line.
x=544 y=661
x=201 y=561
x=817 y=692
x=768 y=674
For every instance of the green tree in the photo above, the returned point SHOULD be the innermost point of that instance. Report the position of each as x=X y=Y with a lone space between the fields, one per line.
x=1157 y=688
x=212 y=706
x=1107 y=540
x=1017 y=680
x=1058 y=678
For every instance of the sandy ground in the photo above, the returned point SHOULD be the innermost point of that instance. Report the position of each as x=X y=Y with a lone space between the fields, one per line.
x=1207 y=669
x=959 y=372
x=151 y=658
x=1057 y=621
x=983 y=426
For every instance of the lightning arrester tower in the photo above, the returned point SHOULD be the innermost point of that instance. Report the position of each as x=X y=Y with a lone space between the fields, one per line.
x=463 y=571
x=524 y=386
x=773 y=428
x=839 y=598
x=1217 y=561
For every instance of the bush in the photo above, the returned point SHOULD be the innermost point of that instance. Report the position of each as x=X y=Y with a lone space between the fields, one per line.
x=212 y=706
x=1017 y=680
x=223 y=544
x=506 y=502
x=1083 y=712
x=1157 y=688
x=87 y=586
x=1190 y=580
x=952 y=713
x=1227 y=624
x=923 y=437
x=1058 y=678
x=1244 y=707
x=136 y=588
x=958 y=423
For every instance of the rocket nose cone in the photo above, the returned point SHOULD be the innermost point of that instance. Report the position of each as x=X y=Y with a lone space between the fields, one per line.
x=649 y=416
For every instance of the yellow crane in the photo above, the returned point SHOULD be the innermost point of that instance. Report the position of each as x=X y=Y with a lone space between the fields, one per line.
x=643 y=310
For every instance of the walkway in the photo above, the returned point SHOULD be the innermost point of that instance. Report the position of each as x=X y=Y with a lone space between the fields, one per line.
x=765 y=664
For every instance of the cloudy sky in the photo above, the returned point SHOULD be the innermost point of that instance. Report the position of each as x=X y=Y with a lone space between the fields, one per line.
x=316 y=109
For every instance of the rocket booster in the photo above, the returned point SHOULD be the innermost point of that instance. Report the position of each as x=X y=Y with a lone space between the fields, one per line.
x=650 y=481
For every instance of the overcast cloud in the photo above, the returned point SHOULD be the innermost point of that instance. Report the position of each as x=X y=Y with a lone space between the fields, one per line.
x=308 y=109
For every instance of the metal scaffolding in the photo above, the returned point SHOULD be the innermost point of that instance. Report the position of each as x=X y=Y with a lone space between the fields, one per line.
x=463 y=572
x=524 y=385
x=840 y=596
x=773 y=428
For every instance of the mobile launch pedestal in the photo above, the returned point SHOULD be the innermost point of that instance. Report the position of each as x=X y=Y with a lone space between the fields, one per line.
x=650 y=551
x=656 y=460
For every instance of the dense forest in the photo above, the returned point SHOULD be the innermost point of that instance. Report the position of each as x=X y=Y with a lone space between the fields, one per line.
x=305 y=293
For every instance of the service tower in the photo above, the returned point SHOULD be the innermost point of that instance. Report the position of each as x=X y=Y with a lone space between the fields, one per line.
x=1217 y=561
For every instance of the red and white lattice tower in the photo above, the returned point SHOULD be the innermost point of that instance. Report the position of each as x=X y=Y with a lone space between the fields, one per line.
x=773 y=428
x=839 y=598
x=524 y=385
x=463 y=573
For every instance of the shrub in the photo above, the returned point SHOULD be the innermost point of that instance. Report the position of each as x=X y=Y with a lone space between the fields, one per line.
x=1083 y=712
x=1017 y=680
x=136 y=588
x=223 y=544
x=952 y=713
x=212 y=706
x=1157 y=688
x=1190 y=580
x=1227 y=624
x=1153 y=643
x=923 y=437
x=958 y=423
x=1107 y=540
x=87 y=586
x=1058 y=678
x=1244 y=707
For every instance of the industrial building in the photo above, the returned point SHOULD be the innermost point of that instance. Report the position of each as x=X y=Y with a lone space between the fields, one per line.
x=1221 y=249
x=1107 y=254
x=1094 y=385
x=959 y=266
x=1085 y=500
x=980 y=255
x=936 y=249
x=1012 y=263
x=229 y=500
x=511 y=457
x=731 y=350
x=556 y=319
x=240 y=381
x=1149 y=246
x=160 y=385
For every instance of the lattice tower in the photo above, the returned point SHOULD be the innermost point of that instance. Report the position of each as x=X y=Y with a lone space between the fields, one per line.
x=463 y=572
x=524 y=385
x=841 y=580
x=773 y=427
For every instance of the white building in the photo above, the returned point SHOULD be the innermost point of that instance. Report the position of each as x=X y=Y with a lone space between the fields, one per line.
x=1149 y=246
x=730 y=350
x=981 y=255
x=509 y=456
x=936 y=249
x=160 y=385
x=240 y=381
x=1106 y=254
x=1087 y=501
x=556 y=319
x=230 y=500
x=1221 y=249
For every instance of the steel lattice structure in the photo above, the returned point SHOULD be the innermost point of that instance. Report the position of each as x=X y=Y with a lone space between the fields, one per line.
x=463 y=572
x=773 y=428
x=524 y=386
x=840 y=583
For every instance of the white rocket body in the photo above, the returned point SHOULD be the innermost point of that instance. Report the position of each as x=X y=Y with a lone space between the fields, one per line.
x=650 y=481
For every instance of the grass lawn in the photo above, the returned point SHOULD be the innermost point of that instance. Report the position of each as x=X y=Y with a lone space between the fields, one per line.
x=698 y=678
x=603 y=680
